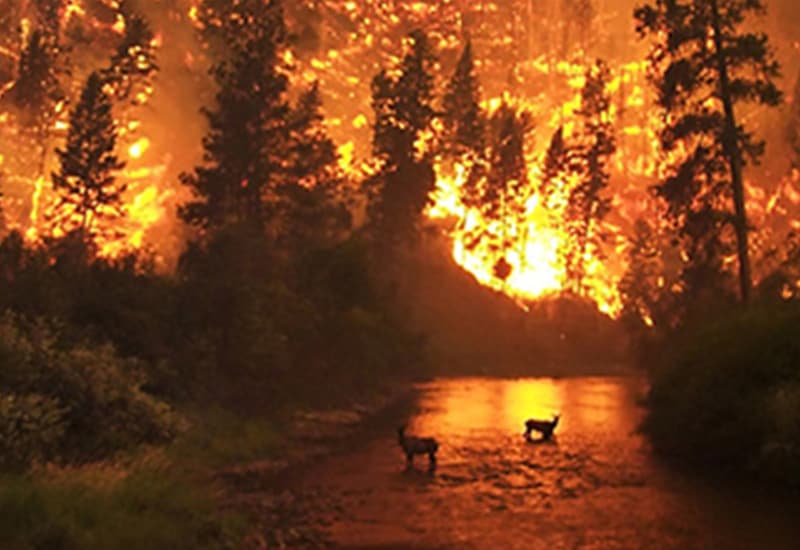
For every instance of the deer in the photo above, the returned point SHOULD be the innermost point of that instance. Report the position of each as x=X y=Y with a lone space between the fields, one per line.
x=412 y=446
x=544 y=427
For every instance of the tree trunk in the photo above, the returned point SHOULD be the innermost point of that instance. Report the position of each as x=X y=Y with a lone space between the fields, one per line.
x=734 y=155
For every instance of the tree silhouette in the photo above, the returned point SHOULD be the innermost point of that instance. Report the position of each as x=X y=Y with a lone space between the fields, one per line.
x=588 y=160
x=706 y=65
x=49 y=16
x=464 y=125
x=86 y=181
x=247 y=143
x=36 y=92
x=463 y=119
x=555 y=165
x=314 y=211
x=507 y=177
x=640 y=286
x=134 y=60
x=403 y=107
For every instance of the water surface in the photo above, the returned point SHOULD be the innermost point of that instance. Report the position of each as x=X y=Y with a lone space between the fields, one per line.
x=596 y=485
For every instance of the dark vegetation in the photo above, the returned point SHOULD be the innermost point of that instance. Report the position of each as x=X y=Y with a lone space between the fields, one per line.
x=722 y=353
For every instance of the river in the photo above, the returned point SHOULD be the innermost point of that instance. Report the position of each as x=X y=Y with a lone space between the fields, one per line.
x=596 y=485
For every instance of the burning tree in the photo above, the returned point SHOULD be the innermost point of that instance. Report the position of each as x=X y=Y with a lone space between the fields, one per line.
x=403 y=106
x=640 y=287
x=86 y=182
x=506 y=185
x=588 y=160
x=463 y=120
x=134 y=61
x=247 y=143
x=49 y=15
x=36 y=93
x=705 y=65
x=464 y=125
x=9 y=32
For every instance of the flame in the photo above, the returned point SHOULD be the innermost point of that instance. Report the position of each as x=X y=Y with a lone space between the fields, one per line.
x=519 y=254
x=138 y=148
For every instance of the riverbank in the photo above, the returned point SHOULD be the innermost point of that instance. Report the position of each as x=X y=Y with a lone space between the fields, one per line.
x=277 y=516
x=215 y=487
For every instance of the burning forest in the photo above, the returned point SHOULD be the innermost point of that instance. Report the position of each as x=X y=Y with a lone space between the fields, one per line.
x=538 y=81
x=217 y=215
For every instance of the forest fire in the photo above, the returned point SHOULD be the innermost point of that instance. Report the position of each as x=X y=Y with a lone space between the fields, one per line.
x=520 y=249
x=238 y=238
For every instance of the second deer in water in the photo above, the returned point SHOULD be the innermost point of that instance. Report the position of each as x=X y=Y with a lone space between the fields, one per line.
x=544 y=427
x=417 y=446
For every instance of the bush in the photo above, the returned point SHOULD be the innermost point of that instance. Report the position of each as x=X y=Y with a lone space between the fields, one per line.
x=77 y=404
x=727 y=393
x=31 y=428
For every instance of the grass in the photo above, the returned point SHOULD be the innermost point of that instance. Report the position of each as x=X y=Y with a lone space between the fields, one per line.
x=218 y=438
x=148 y=509
x=156 y=498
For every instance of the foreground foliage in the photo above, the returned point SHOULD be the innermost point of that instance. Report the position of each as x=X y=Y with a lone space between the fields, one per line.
x=727 y=393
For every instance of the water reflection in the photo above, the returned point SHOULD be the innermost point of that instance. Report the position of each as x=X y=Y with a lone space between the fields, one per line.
x=595 y=485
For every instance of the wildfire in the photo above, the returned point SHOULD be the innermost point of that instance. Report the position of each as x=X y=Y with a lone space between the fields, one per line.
x=519 y=62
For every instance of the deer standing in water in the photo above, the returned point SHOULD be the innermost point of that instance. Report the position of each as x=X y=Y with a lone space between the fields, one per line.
x=417 y=446
x=544 y=427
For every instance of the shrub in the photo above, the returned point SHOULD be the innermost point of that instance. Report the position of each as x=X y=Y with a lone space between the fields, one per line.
x=75 y=404
x=31 y=428
x=726 y=393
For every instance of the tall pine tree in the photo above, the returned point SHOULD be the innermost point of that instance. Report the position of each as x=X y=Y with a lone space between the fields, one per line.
x=707 y=63
x=640 y=287
x=464 y=125
x=314 y=213
x=86 y=182
x=35 y=95
x=403 y=106
x=463 y=119
x=134 y=61
x=588 y=159
x=248 y=139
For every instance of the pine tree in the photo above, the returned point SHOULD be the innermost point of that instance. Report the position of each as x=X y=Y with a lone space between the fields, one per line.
x=463 y=119
x=35 y=94
x=248 y=139
x=134 y=62
x=314 y=210
x=403 y=108
x=464 y=122
x=49 y=16
x=640 y=287
x=555 y=165
x=86 y=182
x=506 y=187
x=507 y=176
x=588 y=160
x=707 y=65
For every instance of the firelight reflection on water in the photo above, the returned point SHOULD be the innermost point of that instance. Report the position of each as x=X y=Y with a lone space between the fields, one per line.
x=597 y=485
